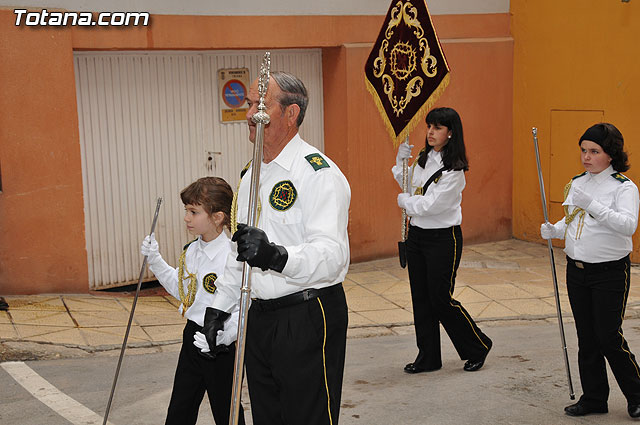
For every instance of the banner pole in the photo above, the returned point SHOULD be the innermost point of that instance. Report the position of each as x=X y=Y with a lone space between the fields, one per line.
x=402 y=247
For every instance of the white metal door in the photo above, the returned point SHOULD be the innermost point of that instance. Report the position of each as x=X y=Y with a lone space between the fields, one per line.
x=149 y=122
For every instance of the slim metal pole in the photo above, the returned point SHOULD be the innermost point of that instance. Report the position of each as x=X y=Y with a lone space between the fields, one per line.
x=261 y=119
x=133 y=309
x=405 y=188
x=553 y=265
x=402 y=247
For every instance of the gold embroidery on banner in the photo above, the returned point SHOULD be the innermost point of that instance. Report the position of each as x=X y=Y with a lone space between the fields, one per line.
x=379 y=63
x=428 y=60
x=403 y=54
x=403 y=58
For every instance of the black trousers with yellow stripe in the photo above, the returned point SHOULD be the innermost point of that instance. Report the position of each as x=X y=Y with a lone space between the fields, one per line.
x=598 y=296
x=433 y=257
x=295 y=360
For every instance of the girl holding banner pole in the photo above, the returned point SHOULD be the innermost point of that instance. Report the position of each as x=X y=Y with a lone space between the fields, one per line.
x=601 y=207
x=434 y=244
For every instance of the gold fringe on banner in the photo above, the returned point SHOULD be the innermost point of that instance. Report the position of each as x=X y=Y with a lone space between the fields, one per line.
x=411 y=125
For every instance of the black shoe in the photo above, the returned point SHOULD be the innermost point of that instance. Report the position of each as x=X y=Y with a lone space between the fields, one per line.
x=473 y=365
x=412 y=368
x=634 y=410
x=581 y=409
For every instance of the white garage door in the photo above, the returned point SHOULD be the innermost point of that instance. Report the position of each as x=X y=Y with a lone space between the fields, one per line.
x=150 y=125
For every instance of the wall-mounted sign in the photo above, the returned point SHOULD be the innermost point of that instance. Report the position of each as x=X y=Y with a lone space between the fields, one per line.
x=233 y=84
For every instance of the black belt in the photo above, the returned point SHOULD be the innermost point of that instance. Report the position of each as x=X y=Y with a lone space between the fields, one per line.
x=296 y=298
x=433 y=232
x=599 y=267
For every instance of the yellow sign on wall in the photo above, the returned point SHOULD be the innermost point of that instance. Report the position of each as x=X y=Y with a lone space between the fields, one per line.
x=233 y=84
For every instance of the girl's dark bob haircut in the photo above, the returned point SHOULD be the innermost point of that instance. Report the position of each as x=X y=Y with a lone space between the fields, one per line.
x=611 y=141
x=213 y=193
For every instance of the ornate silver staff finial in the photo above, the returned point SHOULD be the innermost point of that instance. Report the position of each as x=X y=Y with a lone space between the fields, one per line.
x=263 y=84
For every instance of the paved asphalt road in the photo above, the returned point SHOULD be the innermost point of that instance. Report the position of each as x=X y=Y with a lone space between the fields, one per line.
x=523 y=382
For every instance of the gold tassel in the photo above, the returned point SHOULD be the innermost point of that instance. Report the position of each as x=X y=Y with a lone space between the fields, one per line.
x=568 y=218
x=187 y=300
x=234 y=210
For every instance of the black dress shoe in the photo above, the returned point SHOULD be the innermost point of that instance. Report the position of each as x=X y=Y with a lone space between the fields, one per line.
x=634 y=410
x=473 y=365
x=413 y=368
x=581 y=409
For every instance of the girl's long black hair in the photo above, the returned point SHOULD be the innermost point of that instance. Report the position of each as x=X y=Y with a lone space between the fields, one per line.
x=454 y=155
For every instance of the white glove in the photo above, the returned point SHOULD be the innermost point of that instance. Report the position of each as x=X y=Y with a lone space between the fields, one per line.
x=150 y=248
x=200 y=341
x=581 y=198
x=404 y=152
x=225 y=337
x=547 y=230
x=403 y=200
x=230 y=332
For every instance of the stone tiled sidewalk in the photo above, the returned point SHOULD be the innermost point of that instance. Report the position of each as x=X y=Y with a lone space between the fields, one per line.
x=507 y=280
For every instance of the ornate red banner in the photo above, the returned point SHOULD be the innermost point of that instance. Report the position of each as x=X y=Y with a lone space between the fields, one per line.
x=406 y=70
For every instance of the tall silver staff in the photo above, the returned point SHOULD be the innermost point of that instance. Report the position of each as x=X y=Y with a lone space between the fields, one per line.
x=553 y=265
x=261 y=119
x=402 y=247
x=133 y=309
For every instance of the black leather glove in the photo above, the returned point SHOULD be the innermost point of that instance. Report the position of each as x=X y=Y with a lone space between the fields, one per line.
x=213 y=322
x=254 y=248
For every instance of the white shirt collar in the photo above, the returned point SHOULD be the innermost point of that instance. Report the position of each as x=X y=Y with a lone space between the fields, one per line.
x=212 y=247
x=287 y=155
x=602 y=175
x=435 y=155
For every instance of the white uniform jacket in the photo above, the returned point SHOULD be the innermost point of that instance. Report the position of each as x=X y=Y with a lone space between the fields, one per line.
x=304 y=206
x=440 y=207
x=206 y=260
x=609 y=222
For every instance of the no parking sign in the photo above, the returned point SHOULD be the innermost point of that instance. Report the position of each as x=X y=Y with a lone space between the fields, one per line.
x=233 y=85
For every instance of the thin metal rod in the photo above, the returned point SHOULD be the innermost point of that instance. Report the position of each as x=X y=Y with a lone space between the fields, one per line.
x=133 y=309
x=261 y=119
x=553 y=266
x=405 y=188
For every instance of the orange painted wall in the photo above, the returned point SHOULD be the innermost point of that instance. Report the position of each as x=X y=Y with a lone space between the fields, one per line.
x=41 y=204
x=42 y=245
x=571 y=56
x=482 y=96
